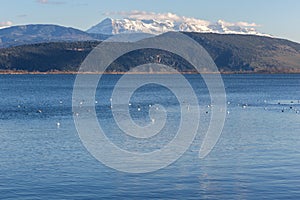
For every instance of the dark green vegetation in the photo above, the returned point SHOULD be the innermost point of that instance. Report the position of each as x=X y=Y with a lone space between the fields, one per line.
x=59 y=56
x=240 y=53
x=231 y=53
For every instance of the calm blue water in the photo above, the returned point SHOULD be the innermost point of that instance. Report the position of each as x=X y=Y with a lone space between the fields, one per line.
x=257 y=156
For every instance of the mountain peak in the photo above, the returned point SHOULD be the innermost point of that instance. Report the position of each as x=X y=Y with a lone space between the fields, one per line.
x=107 y=20
x=105 y=26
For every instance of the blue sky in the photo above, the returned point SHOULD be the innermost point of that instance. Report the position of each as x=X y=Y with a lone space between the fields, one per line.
x=277 y=17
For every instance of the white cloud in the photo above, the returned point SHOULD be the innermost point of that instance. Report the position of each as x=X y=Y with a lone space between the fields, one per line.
x=152 y=15
x=240 y=24
x=139 y=15
x=135 y=14
x=247 y=24
x=5 y=24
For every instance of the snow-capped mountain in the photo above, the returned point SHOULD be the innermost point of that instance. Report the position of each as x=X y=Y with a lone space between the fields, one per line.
x=153 y=26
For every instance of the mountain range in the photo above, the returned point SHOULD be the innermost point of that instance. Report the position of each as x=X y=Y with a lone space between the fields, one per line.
x=116 y=26
x=234 y=48
x=40 y=33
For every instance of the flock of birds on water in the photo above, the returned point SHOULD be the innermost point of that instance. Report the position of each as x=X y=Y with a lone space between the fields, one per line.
x=291 y=107
x=285 y=107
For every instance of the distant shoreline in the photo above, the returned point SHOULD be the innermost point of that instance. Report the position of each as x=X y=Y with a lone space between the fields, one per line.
x=120 y=73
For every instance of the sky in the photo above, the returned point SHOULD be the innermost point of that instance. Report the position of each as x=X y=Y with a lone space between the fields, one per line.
x=280 y=18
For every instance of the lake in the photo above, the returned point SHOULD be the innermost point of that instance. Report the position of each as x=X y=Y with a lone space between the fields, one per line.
x=256 y=157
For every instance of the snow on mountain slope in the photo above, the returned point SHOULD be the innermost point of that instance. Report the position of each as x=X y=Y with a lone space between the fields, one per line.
x=158 y=26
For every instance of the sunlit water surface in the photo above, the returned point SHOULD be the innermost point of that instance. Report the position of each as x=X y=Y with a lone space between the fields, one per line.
x=257 y=156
